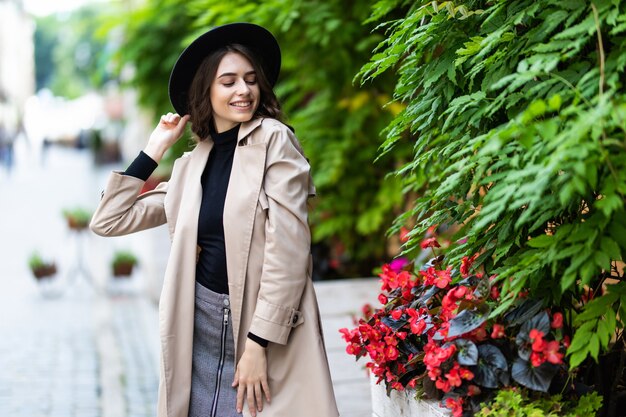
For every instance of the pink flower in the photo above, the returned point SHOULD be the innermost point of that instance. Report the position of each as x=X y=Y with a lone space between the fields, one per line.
x=398 y=264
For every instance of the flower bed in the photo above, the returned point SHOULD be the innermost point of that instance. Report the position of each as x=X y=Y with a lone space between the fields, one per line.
x=435 y=333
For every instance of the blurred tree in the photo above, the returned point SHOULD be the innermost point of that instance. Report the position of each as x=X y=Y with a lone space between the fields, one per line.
x=69 y=57
x=324 y=44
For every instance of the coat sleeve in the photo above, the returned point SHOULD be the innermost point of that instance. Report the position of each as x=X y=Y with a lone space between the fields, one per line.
x=122 y=210
x=287 y=239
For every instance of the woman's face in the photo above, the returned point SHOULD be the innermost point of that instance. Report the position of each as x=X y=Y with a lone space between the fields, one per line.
x=235 y=93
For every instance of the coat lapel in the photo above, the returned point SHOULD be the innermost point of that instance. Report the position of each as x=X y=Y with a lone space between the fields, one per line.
x=176 y=305
x=242 y=196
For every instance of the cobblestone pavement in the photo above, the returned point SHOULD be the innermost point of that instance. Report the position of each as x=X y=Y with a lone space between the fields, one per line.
x=94 y=353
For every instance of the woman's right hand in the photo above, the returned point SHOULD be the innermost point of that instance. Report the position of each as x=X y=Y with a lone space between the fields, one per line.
x=168 y=131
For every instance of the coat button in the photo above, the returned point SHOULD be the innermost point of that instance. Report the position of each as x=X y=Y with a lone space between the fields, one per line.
x=294 y=320
x=226 y=302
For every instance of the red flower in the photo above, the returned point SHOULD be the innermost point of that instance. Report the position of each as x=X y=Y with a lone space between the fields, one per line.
x=391 y=353
x=454 y=378
x=473 y=390
x=367 y=311
x=404 y=234
x=498 y=331
x=536 y=337
x=382 y=298
x=566 y=341
x=417 y=323
x=536 y=359
x=466 y=374
x=552 y=353
x=443 y=385
x=466 y=265
x=431 y=242
x=396 y=314
x=443 y=278
x=455 y=405
x=557 y=321
x=495 y=292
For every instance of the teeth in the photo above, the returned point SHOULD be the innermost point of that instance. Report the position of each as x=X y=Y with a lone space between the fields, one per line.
x=241 y=104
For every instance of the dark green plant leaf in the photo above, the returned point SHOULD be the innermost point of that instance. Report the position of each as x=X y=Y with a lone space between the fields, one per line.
x=536 y=378
x=437 y=260
x=467 y=352
x=522 y=313
x=492 y=370
x=394 y=324
x=423 y=300
x=468 y=320
x=541 y=322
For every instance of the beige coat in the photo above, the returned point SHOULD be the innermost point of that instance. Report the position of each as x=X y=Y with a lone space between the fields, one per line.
x=267 y=242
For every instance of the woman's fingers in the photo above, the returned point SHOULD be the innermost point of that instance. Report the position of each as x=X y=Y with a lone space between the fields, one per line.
x=236 y=380
x=251 y=403
x=258 y=396
x=266 y=390
x=240 y=394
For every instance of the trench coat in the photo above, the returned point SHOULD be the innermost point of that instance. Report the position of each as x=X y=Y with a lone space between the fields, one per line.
x=267 y=242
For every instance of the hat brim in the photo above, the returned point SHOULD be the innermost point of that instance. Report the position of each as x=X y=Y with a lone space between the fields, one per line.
x=257 y=38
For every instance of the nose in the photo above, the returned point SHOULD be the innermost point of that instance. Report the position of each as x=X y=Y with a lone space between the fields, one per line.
x=242 y=87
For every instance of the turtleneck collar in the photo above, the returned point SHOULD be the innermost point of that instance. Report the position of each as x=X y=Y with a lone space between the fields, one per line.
x=225 y=138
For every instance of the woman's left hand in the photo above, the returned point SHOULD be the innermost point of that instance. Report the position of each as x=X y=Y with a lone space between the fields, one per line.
x=251 y=378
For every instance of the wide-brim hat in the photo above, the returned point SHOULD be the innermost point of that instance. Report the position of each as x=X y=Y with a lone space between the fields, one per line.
x=258 y=39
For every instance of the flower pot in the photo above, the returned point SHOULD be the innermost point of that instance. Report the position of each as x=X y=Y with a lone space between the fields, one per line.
x=45 y=272
x=122 y=270
x=402 y=403
x=76 y=224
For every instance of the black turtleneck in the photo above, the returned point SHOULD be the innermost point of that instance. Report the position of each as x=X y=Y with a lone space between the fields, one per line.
x=211 y=267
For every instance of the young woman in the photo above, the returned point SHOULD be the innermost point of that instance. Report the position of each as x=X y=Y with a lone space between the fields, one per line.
x=239 y=322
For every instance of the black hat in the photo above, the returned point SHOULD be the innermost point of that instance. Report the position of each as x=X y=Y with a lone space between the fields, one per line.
x=257 y=38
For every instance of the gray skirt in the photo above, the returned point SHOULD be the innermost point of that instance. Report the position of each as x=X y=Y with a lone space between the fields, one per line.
x=212 y=394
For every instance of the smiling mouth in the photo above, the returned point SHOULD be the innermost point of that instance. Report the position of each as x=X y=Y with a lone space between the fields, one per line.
x=242 y=104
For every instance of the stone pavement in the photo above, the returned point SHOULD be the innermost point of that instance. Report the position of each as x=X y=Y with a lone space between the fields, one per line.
x=93 y=353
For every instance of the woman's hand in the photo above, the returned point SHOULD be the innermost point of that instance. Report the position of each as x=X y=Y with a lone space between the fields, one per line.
x=251 y=378
x=167 y=132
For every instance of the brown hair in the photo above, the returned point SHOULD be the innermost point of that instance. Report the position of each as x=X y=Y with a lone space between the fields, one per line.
x=200 y=109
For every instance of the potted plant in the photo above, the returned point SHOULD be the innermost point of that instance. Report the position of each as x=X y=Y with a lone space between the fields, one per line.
x=77 y=218
x=442 y=334
x=40 y=268
x=123 y=264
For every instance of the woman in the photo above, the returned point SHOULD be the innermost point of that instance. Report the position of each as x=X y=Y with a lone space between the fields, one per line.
x=236 y=209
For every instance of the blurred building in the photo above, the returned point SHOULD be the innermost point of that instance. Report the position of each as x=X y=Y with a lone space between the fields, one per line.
x=17 y=64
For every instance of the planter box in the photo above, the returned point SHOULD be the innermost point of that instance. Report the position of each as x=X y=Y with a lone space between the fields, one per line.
x=402 y=404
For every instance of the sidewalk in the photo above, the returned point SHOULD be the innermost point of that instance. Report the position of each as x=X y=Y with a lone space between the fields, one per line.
x=89 y=354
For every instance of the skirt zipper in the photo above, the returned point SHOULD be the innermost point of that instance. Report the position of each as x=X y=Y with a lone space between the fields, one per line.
x=221 y=363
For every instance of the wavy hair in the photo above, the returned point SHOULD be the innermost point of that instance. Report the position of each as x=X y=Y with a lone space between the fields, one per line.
x=200 y=109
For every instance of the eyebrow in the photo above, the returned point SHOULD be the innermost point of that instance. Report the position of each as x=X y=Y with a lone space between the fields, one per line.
x=231 y=74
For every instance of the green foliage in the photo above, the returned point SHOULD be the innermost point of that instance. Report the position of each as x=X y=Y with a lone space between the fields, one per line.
x=35 y=261
x=70 y=59
x=78 y=215
x=516 y=403
x=517 y=113
x=123 y=257
x=323 y=45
